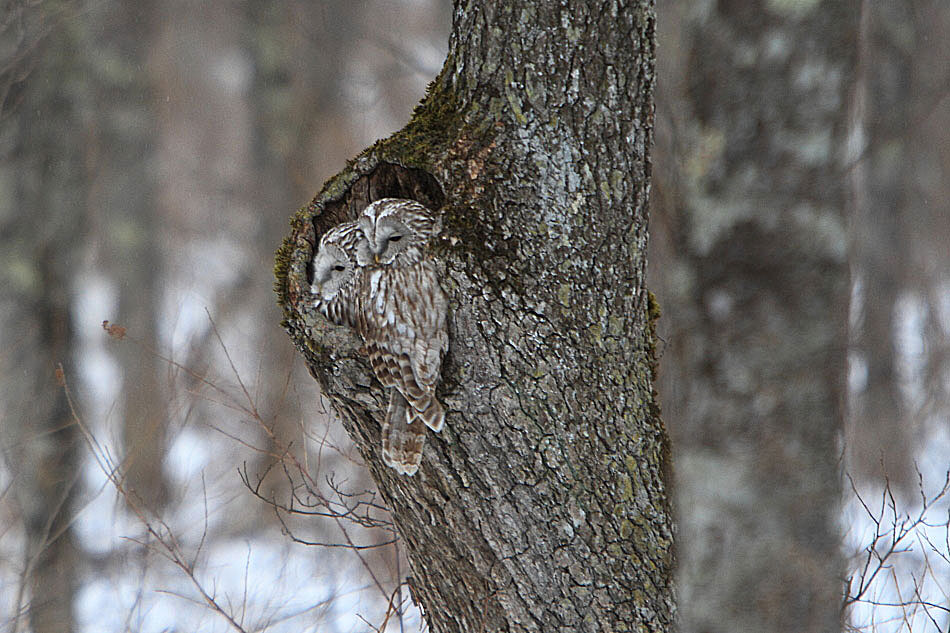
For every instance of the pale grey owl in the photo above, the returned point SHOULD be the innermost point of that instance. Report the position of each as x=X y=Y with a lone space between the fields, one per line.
x=402 y=321
x=337 y=277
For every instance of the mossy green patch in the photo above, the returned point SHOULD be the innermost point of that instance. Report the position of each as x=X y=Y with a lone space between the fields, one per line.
x=626 y=528
x=513 y=101
x=631 y=464
x=653 y=307
x=564 y=295
x=627 y=488
x=435 y=123
x=282 y=259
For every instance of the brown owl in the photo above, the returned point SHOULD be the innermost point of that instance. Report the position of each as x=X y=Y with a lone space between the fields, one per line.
x=402 y=320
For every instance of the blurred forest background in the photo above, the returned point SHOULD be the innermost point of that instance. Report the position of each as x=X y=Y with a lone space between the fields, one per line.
x=153 y=469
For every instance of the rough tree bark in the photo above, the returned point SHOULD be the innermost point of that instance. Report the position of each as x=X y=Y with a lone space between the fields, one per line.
x=543 y=504
x=754 y=376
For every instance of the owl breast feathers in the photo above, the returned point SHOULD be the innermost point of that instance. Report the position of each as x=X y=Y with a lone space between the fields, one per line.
x=378 y=278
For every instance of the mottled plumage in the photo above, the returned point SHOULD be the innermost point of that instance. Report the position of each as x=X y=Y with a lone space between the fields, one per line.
x=374 y=275
x=402 y=321
x=337 y=280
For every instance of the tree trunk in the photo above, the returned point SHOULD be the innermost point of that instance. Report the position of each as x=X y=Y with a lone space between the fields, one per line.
x=758 y=296
x=542 y=506
x=42 y=163
x=123 y=186
x=903 y=76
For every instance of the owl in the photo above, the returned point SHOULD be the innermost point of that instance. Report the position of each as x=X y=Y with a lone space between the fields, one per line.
x=337 y=275
x=402 y=320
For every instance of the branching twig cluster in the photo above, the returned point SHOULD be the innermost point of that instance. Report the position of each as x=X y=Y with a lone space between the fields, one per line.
x=307 y=500
x=895 y=570
x=354 y=514
x=162 y=539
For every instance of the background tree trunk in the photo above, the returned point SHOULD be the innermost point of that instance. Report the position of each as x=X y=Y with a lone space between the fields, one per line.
x=877 y=437
x=123 y=206
x=900 y=252
x=37 y=254
x=753 y=271
x=543 y=504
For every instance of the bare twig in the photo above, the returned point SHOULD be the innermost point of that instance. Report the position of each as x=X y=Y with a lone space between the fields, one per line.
x=894 y=534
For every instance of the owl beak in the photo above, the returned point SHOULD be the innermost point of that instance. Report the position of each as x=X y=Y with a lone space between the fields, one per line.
x=376 y=257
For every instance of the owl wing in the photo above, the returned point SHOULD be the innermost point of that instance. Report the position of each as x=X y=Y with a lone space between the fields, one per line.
x=403 y=433
x=429 y=342
x=391 y=346
x=405 y=339
x=415 y=381
x=431 y=339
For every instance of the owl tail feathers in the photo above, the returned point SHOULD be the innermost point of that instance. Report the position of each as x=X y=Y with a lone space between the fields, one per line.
x=430 y=412
x=402 y=438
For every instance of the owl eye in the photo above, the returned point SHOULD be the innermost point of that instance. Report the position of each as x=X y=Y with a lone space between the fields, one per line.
x=339 y=268
x=395 y=238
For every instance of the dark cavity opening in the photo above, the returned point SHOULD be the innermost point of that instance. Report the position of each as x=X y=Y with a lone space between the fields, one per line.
x=385 y=181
